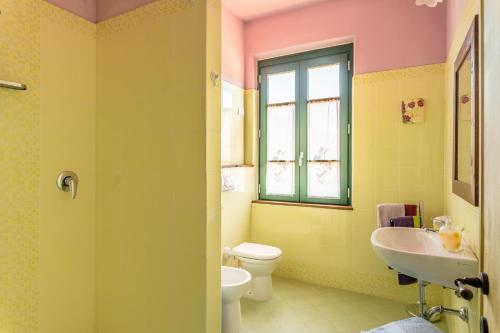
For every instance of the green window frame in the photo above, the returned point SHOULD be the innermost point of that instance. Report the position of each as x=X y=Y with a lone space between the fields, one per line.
x=300 y=65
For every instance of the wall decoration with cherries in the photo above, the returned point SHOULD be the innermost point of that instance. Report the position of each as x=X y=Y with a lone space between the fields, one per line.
x=412 y=111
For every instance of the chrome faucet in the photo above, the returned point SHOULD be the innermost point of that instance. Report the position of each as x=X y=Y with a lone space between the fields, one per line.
x=434 y=313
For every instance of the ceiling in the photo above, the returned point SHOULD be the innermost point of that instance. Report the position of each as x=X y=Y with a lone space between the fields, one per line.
x=252 y=9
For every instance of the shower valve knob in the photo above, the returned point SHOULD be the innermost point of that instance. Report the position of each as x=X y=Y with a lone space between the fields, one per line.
x=67 y=181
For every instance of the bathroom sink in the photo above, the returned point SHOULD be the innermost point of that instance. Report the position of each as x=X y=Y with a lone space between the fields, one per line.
x=418 y=253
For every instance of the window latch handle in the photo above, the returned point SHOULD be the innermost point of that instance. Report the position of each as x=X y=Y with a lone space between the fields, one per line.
x=301 y=157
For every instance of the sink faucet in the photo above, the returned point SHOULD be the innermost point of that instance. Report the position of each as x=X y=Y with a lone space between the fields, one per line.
x=437 y=223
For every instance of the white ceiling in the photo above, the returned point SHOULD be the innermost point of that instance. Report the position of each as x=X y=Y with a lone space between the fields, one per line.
x=252 y=9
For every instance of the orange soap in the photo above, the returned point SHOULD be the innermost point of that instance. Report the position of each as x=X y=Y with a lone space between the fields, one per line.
x=452 y=241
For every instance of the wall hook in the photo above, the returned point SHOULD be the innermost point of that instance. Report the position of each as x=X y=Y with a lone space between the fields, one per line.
x=214 y=76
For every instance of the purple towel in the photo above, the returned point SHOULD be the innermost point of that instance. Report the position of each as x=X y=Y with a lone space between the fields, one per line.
x=404 y=280
x=407 y=222
x=403 y=221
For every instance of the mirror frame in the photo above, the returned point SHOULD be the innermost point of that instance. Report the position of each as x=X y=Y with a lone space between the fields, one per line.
x=468 y=191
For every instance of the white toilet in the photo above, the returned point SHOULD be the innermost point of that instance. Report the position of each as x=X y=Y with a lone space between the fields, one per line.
x=260 y=260
x=235 y=282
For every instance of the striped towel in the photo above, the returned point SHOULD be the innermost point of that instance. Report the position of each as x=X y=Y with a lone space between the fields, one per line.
x=410 y=325
x=406 y=222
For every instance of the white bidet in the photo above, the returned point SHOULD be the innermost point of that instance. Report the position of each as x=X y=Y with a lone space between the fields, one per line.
x=235 y=282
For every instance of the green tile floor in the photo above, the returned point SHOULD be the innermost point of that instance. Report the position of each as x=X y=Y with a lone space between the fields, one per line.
x=299 y=307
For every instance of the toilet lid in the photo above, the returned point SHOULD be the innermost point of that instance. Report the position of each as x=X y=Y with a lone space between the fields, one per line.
x=256 y=251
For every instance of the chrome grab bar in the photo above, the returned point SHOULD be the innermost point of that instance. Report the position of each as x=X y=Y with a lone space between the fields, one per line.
x=12 y=85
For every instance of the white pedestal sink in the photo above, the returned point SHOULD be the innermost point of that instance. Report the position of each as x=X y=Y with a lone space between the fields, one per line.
x=418 y=253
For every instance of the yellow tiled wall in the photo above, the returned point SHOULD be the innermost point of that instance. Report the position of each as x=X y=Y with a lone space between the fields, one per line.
x=158 y=240
x=212 y=150
x=158 y=169
x=19 y=167
x=392 y=162
x=67 y=142
x=251 y=98
x=47 y=239
x=236 y=204
x=464 y=214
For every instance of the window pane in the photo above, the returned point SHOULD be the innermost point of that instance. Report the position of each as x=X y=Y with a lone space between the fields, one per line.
x=280 y=178
x=323 y=131
x=323 y=180
x=323 y=82
x=227 y=99
x=281 y=133
x=281 y=87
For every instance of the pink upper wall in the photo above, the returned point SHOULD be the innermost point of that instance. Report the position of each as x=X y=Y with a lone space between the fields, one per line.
x=387 y=34
x=232 y=48
x=98 y=10
x=454 y=12
x=109 y=8
x=83 y=8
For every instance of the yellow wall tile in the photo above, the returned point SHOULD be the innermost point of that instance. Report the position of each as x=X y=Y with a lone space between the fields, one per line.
x=67 y=142
x=236 y=208
x=48 y=239
x=213 y=143
x=236 y=205
x=251 y=99
x=145 y=199
x=19 y=167
x=158 y=169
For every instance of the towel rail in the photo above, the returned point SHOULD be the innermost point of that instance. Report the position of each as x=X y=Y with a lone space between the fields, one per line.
x=12 y=85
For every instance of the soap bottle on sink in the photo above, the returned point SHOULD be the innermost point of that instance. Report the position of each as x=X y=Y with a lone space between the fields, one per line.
x=451 y=237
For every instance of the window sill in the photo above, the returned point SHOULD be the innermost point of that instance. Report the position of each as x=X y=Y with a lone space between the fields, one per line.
x=237 y=166
x=302 y=204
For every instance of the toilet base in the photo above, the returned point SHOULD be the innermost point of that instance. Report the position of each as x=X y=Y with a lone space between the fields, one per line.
x=231 y=317
x=261 y=288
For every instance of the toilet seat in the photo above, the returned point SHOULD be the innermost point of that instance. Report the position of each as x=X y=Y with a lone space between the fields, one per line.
x=256 y=251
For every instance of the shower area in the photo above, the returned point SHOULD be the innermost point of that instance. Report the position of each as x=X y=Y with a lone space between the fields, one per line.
x=109 y=168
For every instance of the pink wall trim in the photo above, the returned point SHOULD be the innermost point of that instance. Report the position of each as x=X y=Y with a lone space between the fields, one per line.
x=98 y=10
x=109 y=8
x=83 y=8
x=232 y=48
x=387 y=34
x=454 y=12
